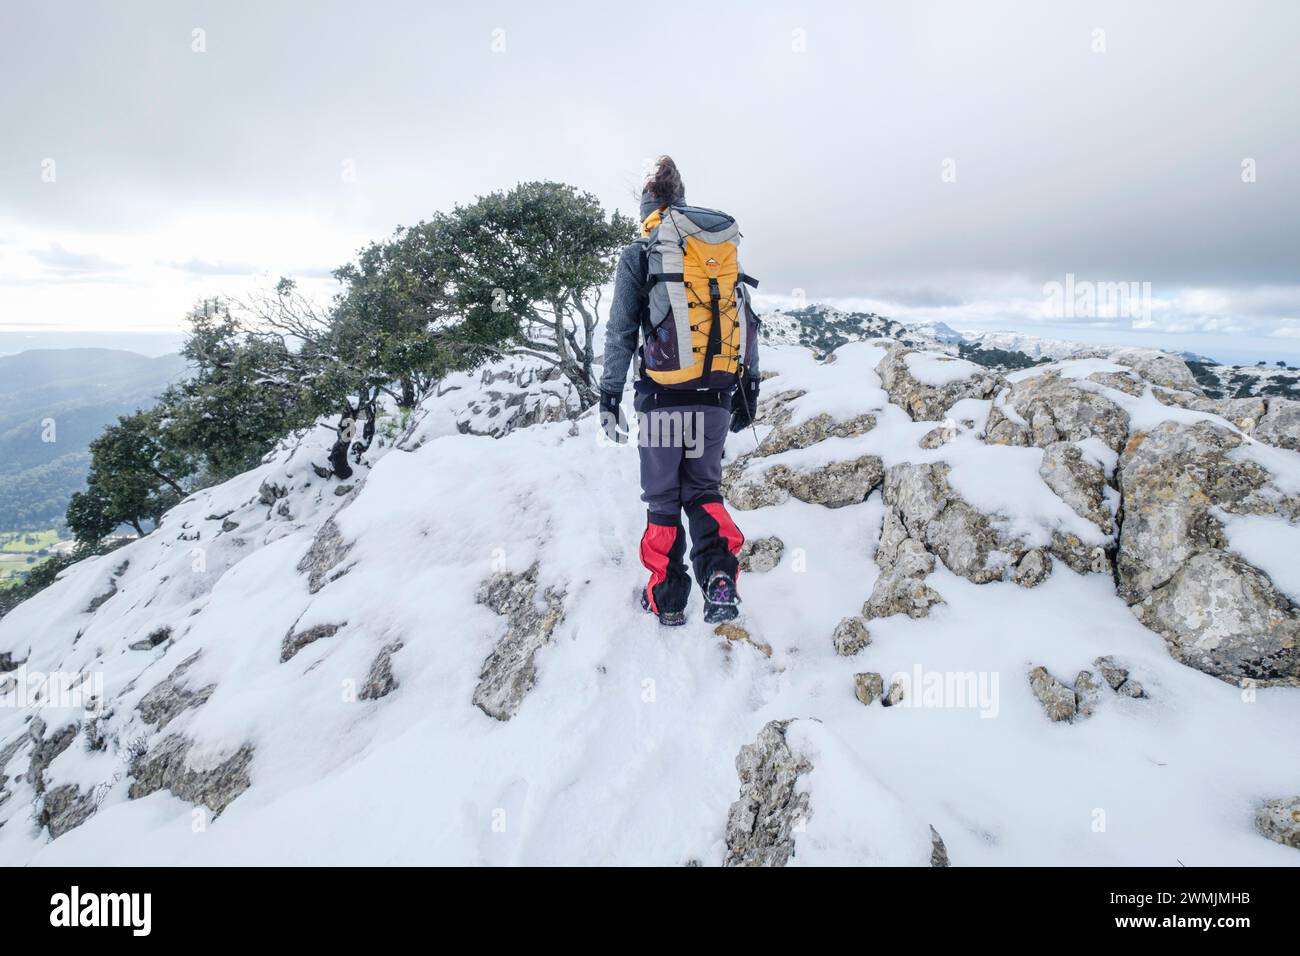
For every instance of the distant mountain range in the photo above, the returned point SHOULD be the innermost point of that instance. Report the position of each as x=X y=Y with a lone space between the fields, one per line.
x=79 y=391
x=824 y=329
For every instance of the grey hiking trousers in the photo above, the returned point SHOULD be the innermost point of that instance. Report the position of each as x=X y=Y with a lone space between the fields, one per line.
x=681 y=468
x=681 y=454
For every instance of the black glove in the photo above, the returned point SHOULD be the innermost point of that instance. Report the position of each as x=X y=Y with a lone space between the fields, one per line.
x=610 y=418
x=744 y=404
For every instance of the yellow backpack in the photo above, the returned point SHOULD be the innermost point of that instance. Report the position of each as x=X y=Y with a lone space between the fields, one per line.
x=701 y=331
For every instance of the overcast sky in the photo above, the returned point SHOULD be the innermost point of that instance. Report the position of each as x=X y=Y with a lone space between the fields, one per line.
x=929 y=160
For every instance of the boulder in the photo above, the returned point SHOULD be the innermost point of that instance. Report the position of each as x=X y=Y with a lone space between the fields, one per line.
x=152 y=639
x=925 y=401
x=904 y=564
x=1087 y=693
x=1031 y=570
x=932 y=514
x=1158 y=368
x=894 y=695
x=170 y=697
x=328 y=549
x=1279 y=820
x=1079 y=483
x=938 y=436
x=1117 y=677
x=1127 y=382
x=761 y=824
x=64 y=808
x=1058 y=700
x=786 y=437
x=269 y=492
x=380 y=681
x=1215 y=611
x=518 y=394
x=1078 y=555
x=833 y=485
x=1280 y=424
x=868 y=687
x=46 y=749
x=1223 y=616
x=296 y=640
x=1245 y=413
x=760 y=555
x=938 y=851
x=176 y=765
x=897 y=593
x=850 y=636
x=510 y=671
x=1045 y=408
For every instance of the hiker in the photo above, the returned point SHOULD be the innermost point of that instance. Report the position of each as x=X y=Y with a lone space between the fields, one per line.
x=680 y=291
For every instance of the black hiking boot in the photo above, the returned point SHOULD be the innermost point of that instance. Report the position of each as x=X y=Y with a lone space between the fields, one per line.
x=721 y=602
x=666 y=618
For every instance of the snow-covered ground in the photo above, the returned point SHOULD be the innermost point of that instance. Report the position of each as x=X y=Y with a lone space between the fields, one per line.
x=624 y=749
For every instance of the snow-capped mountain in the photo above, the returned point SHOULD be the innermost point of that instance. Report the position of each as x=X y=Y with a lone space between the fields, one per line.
x=823 y=329
x=1046 y=615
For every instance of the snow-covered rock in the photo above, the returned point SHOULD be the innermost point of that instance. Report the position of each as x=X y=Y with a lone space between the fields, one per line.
x=1280 y=424
x=1053 y=404
x=762 y=822
x=510 y=670
x=851 y=635
x=926 y=385
x=1080 y=483
x=622 y=737
x=760 y=555
x=1279 y=820
x=1058 y=700
x=1217 y=611
x=868 y=687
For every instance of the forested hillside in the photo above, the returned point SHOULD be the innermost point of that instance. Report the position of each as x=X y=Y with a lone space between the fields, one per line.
x=53 y=402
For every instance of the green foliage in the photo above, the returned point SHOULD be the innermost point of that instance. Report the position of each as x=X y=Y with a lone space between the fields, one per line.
x=246 y=392
x=997 y=358
x=136 y=474
x=528 y=264
x=32 y=541
x=518 y=270
x=53 y=403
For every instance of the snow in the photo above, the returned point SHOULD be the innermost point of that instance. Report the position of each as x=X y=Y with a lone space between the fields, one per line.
x=1271 y=544
x=1069 y=368
x=939 y=370
x=623 y=752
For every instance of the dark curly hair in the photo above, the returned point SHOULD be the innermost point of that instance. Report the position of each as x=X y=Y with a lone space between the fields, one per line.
x=665 y=183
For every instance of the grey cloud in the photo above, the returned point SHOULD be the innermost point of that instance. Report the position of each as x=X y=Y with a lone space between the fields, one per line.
x=203 y=267
x=58 y=259
x=1123 y=165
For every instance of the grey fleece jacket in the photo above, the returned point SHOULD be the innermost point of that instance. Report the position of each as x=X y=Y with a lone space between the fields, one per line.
x=623 y=327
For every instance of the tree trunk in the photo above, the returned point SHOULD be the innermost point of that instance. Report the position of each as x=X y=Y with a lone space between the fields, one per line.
x=408 y=393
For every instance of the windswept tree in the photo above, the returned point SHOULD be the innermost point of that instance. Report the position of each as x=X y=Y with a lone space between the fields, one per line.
x=537 y=257
x=385 y=316
x=246 y=392
x=515 y=272
x=136 y=474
